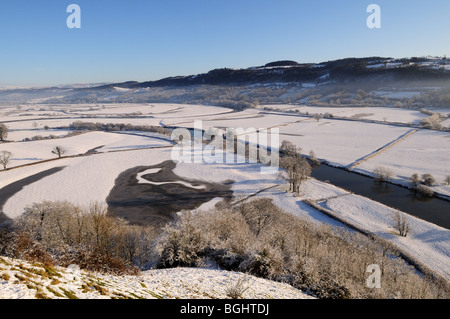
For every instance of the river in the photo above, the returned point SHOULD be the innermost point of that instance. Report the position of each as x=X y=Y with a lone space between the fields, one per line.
x=432 y=209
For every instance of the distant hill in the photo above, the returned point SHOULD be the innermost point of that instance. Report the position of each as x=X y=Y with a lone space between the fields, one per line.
x=349 y=69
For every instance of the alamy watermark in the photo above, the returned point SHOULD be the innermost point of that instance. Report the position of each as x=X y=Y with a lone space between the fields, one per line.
x=374 y=279
x=74 y=19
x=374 y=19
x=232 y=145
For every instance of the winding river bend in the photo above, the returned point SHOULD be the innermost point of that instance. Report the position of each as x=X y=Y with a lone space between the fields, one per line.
x=434 y=210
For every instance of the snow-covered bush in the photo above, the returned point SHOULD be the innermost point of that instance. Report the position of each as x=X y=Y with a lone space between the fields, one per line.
x=428 y=179
x=65 y=234
x=383 y=174
x=183 y=243
x=328 y=262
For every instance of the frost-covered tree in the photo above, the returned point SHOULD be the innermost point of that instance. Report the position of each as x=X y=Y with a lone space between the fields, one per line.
x=297 y=168
x=259 y=214
x=415 y=180
x=383 y=174
x=3 y=132
x=428 y=179
x=401 y=224
x=5 y=158
x=59 y=150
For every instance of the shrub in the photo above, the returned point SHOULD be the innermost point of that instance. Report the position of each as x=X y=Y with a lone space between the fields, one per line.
x=24 y=247
x=383 y=174
x=67 y=234
x=237 y=290
x=428 y=179
x=330 y=263
x=415 y=180
x=183 y=243
x=267 y=263
x=98 y=260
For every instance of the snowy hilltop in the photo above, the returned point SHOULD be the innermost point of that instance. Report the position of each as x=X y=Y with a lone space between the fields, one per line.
x=24 y=280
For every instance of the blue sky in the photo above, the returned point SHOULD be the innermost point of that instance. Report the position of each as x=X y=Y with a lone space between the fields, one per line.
x=147 y=40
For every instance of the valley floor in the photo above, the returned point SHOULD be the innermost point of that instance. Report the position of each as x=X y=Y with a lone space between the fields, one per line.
x=88 y=177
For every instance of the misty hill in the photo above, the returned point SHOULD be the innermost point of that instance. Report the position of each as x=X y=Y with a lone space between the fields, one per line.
x=344 y=70
x=353 y=82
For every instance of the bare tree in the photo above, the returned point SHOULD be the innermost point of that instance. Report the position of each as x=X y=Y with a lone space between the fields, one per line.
x=289 y=149
x=383 y=174
x=59 y=150
x=297 y=170
x=415 y=180
x=259 y=214
x=447 y=179
x=5 y=158
x=428 y=179
x=3 y=132
x=401 y=224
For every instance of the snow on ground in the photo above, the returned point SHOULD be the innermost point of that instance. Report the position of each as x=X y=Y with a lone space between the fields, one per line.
x=397 y=94
x=83 y=180
x=340 y=142
x=22 y=280
x=446 y=123
x=32 y=152
x=425 y=151
x=166 y=110
x=385 y=114
x=90 y=178
x=144 y=114
x=429 y=243
x=20 y=135
x=98 y=180
x=245 y=119
x=426 y=242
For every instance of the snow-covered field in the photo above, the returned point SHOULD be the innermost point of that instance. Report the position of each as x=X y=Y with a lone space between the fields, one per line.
x=340 y=142
x=98 y=180
x=90 y=178
x=36 y=151
x=384 y=114
x=423 y=152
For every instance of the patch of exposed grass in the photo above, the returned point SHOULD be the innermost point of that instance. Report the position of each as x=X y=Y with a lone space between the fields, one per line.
x=69 y=294
x=5 y=276
x=41 y=295
x=57 y=294
x=51 y=271
x=142 y=284
x=102 y=290
x=4 y=262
